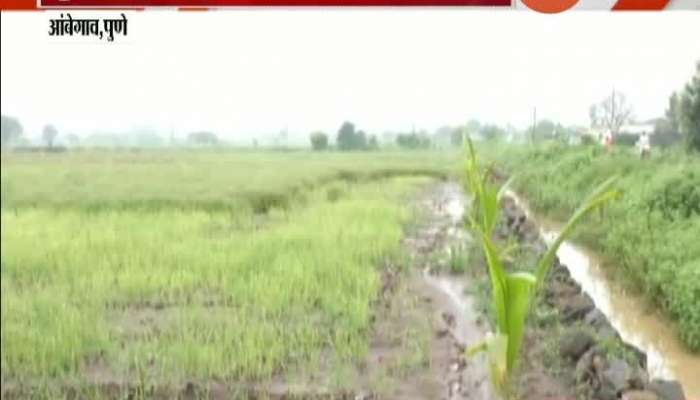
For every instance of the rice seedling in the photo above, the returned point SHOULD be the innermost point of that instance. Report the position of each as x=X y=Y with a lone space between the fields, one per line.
x=458 y=259
x=154 y=281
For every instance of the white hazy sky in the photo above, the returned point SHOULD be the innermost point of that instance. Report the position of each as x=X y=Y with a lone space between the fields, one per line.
x=250 y=72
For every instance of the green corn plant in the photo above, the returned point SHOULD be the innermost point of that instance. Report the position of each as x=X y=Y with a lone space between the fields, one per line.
x=512 y=292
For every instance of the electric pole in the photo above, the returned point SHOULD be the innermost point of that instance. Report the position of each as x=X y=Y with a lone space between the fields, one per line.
x=534 y=122
x=612 y=116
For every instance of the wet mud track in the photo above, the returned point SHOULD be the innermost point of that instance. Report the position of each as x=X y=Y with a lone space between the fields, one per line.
x=455 y=322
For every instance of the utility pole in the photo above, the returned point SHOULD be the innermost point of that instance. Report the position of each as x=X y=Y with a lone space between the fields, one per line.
x=534 y=122
x=612 y=113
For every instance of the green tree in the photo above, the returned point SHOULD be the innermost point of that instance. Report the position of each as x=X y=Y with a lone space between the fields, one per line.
x=10 y=129
x=49 y=134
x=545 y=129
x=689 y=112
x=350 y=139
x=672 y=114
x=346 y=136
x=319 y=141
x=665 y=134
x=413 y=140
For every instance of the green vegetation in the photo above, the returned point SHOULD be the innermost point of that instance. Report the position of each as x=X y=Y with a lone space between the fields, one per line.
x=168 y=266
x=413 y=141
x=203 y=180
x=10 y=129
x=650 y=236
x=683 y=113
x=513 y=292
x=319 y=141
x=458 y=259
x=49 y=134
x=351 y=139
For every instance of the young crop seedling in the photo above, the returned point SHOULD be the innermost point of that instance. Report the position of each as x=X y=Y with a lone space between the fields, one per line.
x=512 y=292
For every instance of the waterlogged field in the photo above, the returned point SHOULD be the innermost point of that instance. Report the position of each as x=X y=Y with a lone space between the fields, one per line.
x=172 y=266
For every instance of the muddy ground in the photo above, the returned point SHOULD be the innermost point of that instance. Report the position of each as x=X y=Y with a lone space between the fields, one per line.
x=571 y=351
x=421 y=327
x=434 y=304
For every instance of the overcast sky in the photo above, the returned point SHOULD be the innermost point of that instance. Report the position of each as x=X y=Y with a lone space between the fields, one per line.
x=250 y=72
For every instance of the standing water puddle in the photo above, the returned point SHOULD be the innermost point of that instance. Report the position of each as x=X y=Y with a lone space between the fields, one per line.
x=453 y=286
x=629 y=314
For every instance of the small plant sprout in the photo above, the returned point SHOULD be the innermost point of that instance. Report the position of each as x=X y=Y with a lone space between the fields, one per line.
x=512 y=292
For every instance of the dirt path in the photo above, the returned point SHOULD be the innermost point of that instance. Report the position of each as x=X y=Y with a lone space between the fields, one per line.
x=452 y=320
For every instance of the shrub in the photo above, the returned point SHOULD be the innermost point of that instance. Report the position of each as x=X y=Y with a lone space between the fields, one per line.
x=319 y=141
x=650 y=236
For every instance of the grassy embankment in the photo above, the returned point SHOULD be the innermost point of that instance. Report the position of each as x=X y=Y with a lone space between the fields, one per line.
x=164 y=267
x=651 y=236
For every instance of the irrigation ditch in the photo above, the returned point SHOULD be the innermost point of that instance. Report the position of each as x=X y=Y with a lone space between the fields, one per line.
x=574 y=347
x=619 y=312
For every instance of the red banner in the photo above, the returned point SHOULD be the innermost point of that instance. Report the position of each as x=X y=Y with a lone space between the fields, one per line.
x=249 y=3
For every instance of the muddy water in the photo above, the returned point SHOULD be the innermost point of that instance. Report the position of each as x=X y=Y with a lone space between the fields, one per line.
x=454 y=289
x=630 y=315
x=471 y=380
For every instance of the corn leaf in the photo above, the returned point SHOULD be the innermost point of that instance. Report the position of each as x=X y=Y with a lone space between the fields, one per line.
x=520 y=290
x=498 y=365
x=600 y=195
x=504 y=188
x=498 y=281
x=489 y=207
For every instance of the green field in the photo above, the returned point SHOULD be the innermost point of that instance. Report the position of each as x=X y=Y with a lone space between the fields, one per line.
x=650 y=237
x=165 y=267
x=196 y=265
x=203 y=180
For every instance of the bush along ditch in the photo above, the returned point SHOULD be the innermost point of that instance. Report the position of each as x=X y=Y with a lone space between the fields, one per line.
x=651 y=234
x=591 y=357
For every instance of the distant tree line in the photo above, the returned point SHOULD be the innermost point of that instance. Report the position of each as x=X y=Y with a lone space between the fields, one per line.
x=413 y=140
x=683 y=113
x=11 y=131
x=348 y=138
